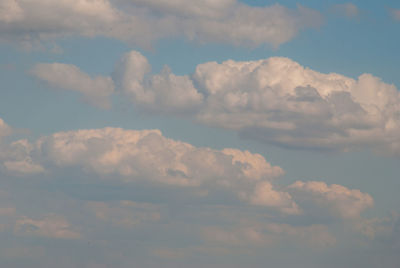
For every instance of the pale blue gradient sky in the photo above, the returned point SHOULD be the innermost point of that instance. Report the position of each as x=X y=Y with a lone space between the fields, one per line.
x=366 y=43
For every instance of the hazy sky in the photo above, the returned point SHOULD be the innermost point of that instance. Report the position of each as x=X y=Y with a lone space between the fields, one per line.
x=199 y=134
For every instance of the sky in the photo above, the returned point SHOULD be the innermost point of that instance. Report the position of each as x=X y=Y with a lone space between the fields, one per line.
x=199 y=134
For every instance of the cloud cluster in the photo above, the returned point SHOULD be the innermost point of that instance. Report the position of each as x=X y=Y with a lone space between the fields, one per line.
x=275 y=100
x=143 y=22
x=146 y=156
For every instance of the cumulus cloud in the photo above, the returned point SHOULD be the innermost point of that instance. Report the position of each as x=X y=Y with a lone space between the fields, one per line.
x=337 y=200
x=96 y=90
x=143 y=22
x=147 y=156
x=276 y=101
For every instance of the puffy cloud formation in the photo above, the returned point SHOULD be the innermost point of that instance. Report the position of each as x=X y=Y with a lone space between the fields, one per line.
x=275 y=100
x=96 y=90
x=147 y=156
x=338 y=200
x=142 y=22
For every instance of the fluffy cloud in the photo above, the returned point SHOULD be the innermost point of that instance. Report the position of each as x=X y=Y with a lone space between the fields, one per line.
x=142 y=22
x=335 y=199
x=96 y=90
x=147 y=156
x=275 y=100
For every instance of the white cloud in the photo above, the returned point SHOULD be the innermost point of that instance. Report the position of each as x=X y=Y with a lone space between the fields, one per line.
x=142 y=22
x=96 y=90
x=52 y=226
x=277 y=101
x=164 y=92
x=147 y=156
x=337 y=200
x=133 y=156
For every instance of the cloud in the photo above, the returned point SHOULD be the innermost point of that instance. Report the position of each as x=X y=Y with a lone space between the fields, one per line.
x=395 y=13
x=337 y=200
x=161 y=93
x=96 y=90
x=347 y=9
x=17 y=159
x=265 y=195
x=5 y=129
x=52 y=226
x=276 y=101
x=146 y=156
x=131 y=156
x=143 y=22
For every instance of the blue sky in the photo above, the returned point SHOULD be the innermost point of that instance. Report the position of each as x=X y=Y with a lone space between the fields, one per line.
x=199 y=134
